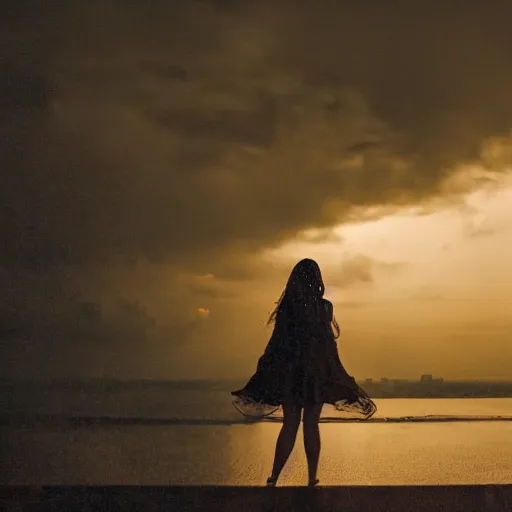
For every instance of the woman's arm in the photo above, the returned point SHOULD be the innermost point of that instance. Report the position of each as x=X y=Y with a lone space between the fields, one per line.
x=332 y=348
x=329 y=310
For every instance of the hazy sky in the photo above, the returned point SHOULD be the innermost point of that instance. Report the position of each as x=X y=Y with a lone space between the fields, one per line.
x=165 y=164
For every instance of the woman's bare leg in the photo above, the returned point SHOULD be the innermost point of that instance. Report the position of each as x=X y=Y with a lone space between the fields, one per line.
x=286 y=438
x=312 y=438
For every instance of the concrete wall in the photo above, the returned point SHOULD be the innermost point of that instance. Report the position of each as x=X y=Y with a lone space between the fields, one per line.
x=256 y=499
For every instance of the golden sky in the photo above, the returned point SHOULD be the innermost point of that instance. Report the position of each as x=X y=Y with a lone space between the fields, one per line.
x=166 y=164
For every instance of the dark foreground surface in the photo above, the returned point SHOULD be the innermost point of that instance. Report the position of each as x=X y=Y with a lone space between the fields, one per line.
x=212 y=499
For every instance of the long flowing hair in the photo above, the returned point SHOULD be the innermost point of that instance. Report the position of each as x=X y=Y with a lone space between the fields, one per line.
x=302 y=297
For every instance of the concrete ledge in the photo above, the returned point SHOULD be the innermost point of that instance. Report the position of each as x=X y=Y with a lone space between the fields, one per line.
x=255 y=499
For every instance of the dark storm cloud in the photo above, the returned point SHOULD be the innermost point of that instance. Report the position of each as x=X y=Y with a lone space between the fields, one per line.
x=164 y=71
x=84 y=338
x=172 y=131
x=22 y=89
x=194 y=134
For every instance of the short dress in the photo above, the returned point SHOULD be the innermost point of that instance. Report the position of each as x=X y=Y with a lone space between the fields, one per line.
x=301 y=367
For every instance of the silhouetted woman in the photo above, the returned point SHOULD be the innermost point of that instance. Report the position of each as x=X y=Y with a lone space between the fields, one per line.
x=301 y=369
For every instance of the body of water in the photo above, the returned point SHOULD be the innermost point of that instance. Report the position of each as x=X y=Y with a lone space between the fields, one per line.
x=166 y=434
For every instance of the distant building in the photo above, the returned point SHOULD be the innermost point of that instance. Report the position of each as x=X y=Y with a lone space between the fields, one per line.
x=368 y=381
x=426 y=378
